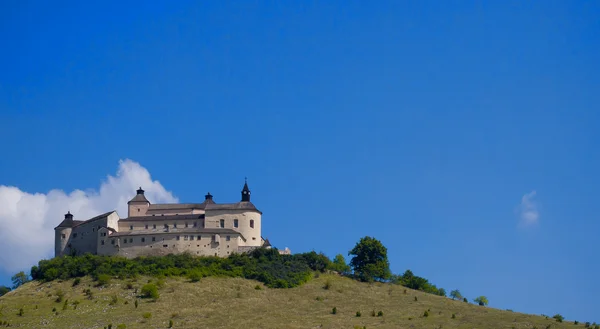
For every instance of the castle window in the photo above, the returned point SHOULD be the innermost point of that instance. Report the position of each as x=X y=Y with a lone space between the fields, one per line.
x=195 y=224
x=228 y=238
x=153 y=238
x=235 y=223
x=174 y=225
x=143 y=239
x=178 y=238
x=165 y=245
x=74 y=235
x=93 y=229
x=252 y=223
x=130 y=227
x=253 y=238
x=186 y=225
x=102 y=242
x=185 y=237
x=130 y=240
x=222 y=223
x=166 y=226
x=191 y=238
x=146 y=226
x=124 y=240
x=112 y=241
x=199 y=237
x=154 y=226
x=63 y=236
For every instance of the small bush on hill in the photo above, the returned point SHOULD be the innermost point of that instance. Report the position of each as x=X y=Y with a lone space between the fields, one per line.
x=195 y=276
x=327 y=284
x=170 y=323
x=60 y=296
x=150 y=290
x=147 y=315
x=558 y=318
x=113 y=300
x=425 y=314
x=334 y=310
x=76 y=282
x=380 y=313
x=102 y=280
x=122 y=326
x=358 y=314
x=136 y=303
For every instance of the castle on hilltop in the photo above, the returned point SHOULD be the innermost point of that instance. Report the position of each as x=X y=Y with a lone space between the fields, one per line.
x=203 y=229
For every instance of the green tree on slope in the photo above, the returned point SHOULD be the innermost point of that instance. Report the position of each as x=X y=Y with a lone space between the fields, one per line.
x=455 y=294
x=369 y=261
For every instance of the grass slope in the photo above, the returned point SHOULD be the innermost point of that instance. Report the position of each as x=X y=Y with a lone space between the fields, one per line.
x=236 y=303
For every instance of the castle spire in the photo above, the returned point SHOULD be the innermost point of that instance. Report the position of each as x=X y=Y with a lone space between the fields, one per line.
x=245 y=191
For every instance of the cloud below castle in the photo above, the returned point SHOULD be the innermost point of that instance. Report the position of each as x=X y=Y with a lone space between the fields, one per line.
x=27 y=220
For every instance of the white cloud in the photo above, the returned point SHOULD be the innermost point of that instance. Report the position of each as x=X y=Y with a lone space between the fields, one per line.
x=27 y=220
x=528 y=210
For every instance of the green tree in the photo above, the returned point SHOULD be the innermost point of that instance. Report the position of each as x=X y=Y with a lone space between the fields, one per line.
x=339 y=264
x=4 y=290
x=481 y=300
x=19 y=279
x=442 y=292
x=455 y=294
x=369 y=261
x=150 y=291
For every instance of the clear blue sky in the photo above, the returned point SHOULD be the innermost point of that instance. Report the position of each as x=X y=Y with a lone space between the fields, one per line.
x=423 y=124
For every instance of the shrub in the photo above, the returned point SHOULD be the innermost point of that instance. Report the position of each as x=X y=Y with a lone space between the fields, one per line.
x=258 y=287
x=334 y=310
x=587 y=325
x=129 y=285
x=110 y=326
x=89 y=294
x=425 y=314
x=319 y=298
x=465 y=300
x=113 y=300
x=21 y=312
x=380 y=313
x=150 y=290
x=147 y=315
x=575 y=322
x=170 y=323
x=558 y=318
x=453 y=316
x=76 y=282
x=60 y=296
x=373 y=313
x=416 y=299
x=126 y=302
x=102 y=280
x=358 y=314
x=195 y=276
x=136 y=303
x=65 y=304
x=53 y=309
x=122 y=326
x=327 y=285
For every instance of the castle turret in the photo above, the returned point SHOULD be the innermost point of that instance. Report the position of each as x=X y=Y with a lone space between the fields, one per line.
x=138 y=205
x=208 y=198
x=62 y=234
x=246 y=192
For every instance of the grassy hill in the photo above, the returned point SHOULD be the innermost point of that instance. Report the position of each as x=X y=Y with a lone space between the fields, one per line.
x=240 y=303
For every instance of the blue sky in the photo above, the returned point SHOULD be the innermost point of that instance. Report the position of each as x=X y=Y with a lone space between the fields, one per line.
x=463 y=135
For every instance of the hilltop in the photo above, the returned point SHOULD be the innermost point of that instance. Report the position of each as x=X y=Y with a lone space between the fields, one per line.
x=217 y=302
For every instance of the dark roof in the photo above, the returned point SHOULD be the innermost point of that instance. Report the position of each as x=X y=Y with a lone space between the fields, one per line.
x=267 y=243
x=170 y=206
x=167 y=217
x=179 y=231
x=78 y=222
x=69 y=222
x=244 y=205
x=206 y=205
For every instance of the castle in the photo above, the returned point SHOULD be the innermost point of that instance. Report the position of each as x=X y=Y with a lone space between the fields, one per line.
x=203 y=229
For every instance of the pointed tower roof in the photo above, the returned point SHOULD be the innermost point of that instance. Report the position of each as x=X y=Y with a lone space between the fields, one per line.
x=245 y=191
x=68 y=221
x=139 y=197
x=208 y=198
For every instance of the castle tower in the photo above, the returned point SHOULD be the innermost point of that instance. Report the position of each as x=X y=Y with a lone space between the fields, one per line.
x=246 y=192
x=62 y=234
x=138 y=206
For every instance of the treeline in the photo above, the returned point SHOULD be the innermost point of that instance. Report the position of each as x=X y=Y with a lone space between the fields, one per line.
x=409 y=280
x=264 y=265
